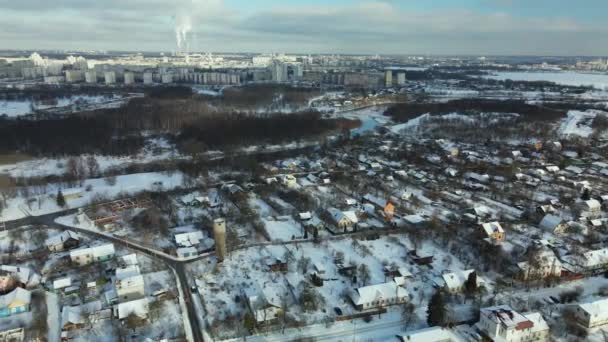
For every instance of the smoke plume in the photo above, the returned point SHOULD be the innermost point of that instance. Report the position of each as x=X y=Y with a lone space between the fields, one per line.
x=188 y=13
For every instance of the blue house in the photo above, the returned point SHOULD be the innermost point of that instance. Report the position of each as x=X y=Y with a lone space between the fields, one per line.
x=15 y=302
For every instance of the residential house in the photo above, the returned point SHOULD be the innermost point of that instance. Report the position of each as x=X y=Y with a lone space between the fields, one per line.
x=264 y=305
x=86 y=256
x=379 y=295
x=503 y=324
x=305 y=216
x=345 y=220
x=62 y=283
x=139 y=308
x=590 y=262
x=389 y=211
x=72 y=194
x=15 y=302
x=493 y=231
x=15 y=276
x=454 y=282
x=592 y=314
x=77 y=317
x=591 y=208
x=289 y=181
x=420 y=258
x=186 y=252
x=129 y=283
x=552 y=224
x=64 y=241
x=544 y=265
x=189 y=239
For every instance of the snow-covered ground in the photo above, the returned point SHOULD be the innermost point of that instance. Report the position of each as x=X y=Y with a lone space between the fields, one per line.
x=157 y=149
x=577 y=124
x=569 y=78
x=14 y=108
x=483 y=119
x=44 y=200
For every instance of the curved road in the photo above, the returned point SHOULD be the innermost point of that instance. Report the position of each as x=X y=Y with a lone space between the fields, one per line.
x=171 y=261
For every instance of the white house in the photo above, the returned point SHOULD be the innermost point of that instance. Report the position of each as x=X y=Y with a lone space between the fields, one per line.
x=546 y=265
x=289 y=181
x=591 y=207
x=189 y=239
x=129 y=283
x=379 y=295
x=23 y=275
x=85 y=256
x=62 y=283
x=503 y=324
x=138 y=307
x=592 y=314
x=493 y=231
x=343 y=219
x=305 y=216
x=61 y=241
x=454 y=281
x=591 y=261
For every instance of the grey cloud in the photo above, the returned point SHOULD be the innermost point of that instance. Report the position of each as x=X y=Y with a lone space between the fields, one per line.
x=372 y=27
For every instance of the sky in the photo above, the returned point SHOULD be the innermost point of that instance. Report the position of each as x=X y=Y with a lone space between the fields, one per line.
x=441 y=27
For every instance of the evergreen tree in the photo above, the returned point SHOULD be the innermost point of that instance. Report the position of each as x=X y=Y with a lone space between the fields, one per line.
x=470 y=285
x=60 y=199
x=436 y=311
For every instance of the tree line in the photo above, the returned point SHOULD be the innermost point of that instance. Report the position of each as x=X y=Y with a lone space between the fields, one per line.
x=403 y=112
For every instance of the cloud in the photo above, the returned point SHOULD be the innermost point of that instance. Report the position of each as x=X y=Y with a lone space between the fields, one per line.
x=361 y=27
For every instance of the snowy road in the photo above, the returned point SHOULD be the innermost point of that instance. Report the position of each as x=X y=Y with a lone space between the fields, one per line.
x=384 y=329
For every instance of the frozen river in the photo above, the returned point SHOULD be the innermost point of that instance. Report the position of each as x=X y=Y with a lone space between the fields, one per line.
x=569 y=78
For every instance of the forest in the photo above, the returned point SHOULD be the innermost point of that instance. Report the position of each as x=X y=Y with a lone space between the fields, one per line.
x=117 y=131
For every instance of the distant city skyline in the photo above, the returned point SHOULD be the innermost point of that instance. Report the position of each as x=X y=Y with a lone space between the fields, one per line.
x=440 y=27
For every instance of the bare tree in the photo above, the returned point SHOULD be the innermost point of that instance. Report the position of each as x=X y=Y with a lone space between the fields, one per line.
x=92 y=166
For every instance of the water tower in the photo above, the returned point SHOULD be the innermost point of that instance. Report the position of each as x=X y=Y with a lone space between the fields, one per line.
x=219 y=234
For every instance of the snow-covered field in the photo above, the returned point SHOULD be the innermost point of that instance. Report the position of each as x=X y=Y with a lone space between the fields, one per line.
x=569 y=78
x=483 y=119
x=157 y=149
x=577 y=124
x=14 y=108
x=42 y=201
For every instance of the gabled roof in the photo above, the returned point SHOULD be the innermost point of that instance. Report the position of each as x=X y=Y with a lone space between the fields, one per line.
x=73 y=314
x=596 y=257
x=138 y=307
x=189 y=239
x=598 y=309
x=593 y=204
x=550 y=222
x=457 y=279
x=503 y=314
x=23 y=274
x=61 y=238
x=126 y=272
x=492 y=227
x=96 y=251
x=371 y=293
